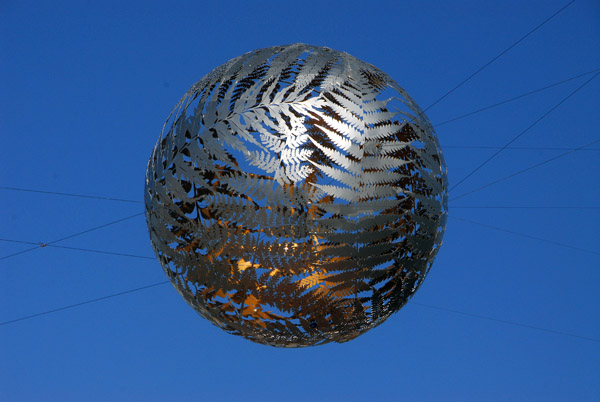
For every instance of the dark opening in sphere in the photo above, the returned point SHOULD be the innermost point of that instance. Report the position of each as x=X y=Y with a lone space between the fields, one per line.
x=296 y=196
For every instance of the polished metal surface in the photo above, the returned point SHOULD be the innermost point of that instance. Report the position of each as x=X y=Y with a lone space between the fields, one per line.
x=296 y=196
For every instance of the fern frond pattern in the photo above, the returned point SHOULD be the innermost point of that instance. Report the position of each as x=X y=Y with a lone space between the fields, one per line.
x=296 y=196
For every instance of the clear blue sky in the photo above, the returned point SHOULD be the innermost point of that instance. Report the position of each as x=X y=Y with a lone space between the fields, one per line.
x=84 y=90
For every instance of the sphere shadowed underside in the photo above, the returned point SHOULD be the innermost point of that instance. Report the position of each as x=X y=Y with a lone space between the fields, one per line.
x=296 y=196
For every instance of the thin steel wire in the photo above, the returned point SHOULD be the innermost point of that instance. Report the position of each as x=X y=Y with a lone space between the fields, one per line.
x=519 y=148
x=518 y=324
x=539 y=119
x=515 y=98
x=479 y=316
x=70 y=194
x=525 y=170
x=480 y=69
x=83 y=303
x=78 y=249
x=555 y=243
x=40 y=245
x=518 y=207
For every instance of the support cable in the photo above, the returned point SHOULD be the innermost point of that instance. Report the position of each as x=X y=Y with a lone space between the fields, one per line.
x=518 y=324
x=70 y=194
x=480 y=69
x=555 y=243
x=515 y=98
x=39 y=245
x=411 y=302
x=518 y=207
x=82 y=303
x=542 y=117
x=525 y=170
x=519 y=148
x=78 y=249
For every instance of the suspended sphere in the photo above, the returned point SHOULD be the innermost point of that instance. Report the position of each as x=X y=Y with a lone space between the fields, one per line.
x=296 y=196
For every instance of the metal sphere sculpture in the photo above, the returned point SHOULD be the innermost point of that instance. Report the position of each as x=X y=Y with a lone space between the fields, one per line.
x=296 y=196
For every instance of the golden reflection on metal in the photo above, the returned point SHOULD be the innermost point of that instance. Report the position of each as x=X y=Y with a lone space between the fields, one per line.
x=296 y=196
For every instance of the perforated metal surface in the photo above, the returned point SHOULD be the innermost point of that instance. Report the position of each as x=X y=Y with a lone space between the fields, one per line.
x=296 y=196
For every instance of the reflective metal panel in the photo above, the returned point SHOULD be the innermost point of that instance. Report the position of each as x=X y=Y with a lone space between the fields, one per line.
x=296 y=196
